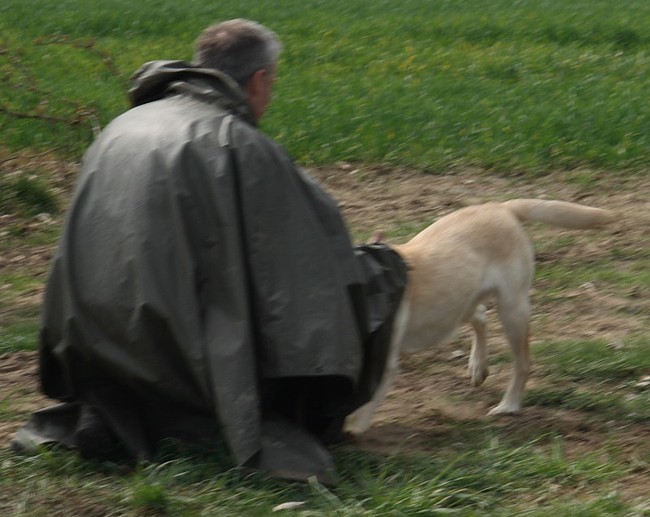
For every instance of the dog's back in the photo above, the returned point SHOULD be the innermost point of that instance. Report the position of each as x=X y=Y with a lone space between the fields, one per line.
x=463 y=258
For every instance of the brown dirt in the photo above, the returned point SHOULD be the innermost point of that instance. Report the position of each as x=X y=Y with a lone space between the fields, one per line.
x=388 y=199
x=425 y=411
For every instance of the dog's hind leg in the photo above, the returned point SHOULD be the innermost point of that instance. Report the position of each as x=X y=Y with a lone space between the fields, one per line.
x=478 y=358
x=515 y=316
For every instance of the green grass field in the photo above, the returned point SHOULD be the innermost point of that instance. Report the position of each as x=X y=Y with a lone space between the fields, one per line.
x=476 y=482
x=518 y=89
x=507 y=86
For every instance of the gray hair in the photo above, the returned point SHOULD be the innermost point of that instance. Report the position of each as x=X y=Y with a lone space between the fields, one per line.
x=238 y=48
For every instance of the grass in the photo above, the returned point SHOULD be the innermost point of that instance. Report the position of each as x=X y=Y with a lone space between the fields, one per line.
x=621 y=405
x=479 y=479
x=590 y=376
x=19 y=334
x=475 y=469
x=595 y=360
x=18 y=323
x=26 y=196
x=524 y=87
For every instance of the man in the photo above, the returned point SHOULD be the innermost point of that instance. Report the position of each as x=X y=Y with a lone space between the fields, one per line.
x=203 y=285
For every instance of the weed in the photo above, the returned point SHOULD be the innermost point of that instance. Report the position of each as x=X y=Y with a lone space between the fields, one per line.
x=149 y=498
x=25 y=195
x=20 y=336
x=593 y=360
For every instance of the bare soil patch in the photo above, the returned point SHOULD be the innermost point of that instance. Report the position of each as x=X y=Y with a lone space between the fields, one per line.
x=437 y=408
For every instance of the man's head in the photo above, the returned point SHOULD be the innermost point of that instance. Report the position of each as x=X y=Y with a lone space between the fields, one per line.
x=246 y=51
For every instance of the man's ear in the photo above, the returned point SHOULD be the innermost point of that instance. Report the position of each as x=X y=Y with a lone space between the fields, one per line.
x=258 y=91
x=255 y=83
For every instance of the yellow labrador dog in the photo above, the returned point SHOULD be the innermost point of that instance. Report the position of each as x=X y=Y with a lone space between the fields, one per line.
x=464 y=258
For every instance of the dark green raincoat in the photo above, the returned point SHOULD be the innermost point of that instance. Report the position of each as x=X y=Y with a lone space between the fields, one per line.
x=204 y=286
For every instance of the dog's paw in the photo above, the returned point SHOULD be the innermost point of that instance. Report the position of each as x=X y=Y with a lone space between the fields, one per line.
x=355 y=429
x=478 y=373
x=356 y=424
x=504 y=409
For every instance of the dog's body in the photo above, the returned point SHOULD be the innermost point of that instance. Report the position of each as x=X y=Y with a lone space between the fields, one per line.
x=466 y=257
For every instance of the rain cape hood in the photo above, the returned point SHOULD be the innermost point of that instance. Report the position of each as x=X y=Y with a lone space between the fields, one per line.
x=205 y=288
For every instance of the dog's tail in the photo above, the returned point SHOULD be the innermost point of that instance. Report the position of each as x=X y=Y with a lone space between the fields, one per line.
x=558 y=213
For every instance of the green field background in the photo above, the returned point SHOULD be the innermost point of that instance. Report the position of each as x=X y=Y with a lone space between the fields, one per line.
x=507 y=86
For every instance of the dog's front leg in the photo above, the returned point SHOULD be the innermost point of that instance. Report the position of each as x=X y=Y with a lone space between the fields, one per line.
x=359 y=421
